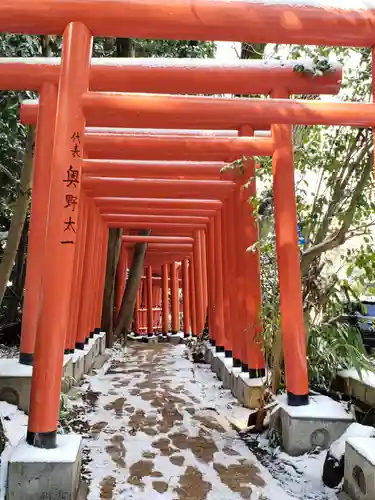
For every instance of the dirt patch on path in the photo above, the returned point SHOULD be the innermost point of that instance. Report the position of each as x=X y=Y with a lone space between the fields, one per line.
x=192 y=486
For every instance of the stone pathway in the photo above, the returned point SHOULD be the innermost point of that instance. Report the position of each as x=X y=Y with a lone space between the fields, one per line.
x=157 y=428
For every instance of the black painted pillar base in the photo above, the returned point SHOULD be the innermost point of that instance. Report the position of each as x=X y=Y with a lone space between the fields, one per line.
x=92 y=334
x=87 y=340
x=97 y=331
x=228 y=353
x=174 y=332
x=256 y=373
x=244 y=367
x=186 y=335
x=213 y=342
x=150 y=335
x=297 y=399
x=80 y=346
x=237 y=363
x=66 y=351
x=220 y=348
x=26 y=359
x=46 y=440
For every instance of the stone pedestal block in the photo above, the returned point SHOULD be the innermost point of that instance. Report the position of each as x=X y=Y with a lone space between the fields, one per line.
x=223 y=369
x=35 y=474
x=359 y=475
x=78 y=359
x=175 y=339
x=319 y=424
x=90 y=354
x=209 y=353
x=250 y=391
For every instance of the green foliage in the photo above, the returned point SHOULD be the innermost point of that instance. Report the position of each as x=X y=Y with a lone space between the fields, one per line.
x=175 y=48
x=332 y=347
x=319 y=67
x=12 y=133
x=109 y=47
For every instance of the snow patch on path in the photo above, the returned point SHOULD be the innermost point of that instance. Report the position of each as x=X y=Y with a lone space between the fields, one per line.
x=158 y=428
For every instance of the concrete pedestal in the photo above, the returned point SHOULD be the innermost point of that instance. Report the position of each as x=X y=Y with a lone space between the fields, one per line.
x=145 y=339
x=359 y=475
x=68 y=374
x=175 y=339
x=15 y=381
x=35 y=474
x=101 y=340
x=234 y=383
x=78 y=360
x=223 y=368
x=153 y=340
x=319 y=424
x=90 y=354
x=228 y=373
x=209 y=353
x=68 y=366
x=250 y=391
x=216 y=363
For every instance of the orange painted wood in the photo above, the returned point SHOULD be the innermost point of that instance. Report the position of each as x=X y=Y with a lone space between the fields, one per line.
x=288 y=23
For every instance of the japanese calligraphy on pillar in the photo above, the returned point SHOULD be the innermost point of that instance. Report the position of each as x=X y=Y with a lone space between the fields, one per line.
x=71 y=181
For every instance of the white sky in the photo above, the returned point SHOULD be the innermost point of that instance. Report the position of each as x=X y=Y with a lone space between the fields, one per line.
x=227 y=51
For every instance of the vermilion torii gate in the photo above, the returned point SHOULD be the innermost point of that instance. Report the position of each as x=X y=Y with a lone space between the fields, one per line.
x=71 y=106
x=166 y=75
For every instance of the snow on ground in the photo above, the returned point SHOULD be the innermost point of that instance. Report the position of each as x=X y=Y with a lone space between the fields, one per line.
x=300 y=477
x=366 y=377
x=8 y=352
x=14 y=424
x=355 y=430
x=158 y=428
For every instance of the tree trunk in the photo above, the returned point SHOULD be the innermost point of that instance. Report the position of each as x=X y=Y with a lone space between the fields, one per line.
x=125 y=47
x=15 y=298
x=125 y=315
x=20 y=212
x=114 y=245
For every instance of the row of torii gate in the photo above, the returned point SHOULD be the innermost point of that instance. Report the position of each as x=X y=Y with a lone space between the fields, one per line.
x=109 y=156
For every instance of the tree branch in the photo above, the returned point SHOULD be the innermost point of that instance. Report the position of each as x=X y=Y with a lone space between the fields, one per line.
x=339 y=238
x=9 y=174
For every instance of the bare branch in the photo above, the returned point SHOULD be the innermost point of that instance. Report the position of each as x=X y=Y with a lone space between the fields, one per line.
x=339 y=238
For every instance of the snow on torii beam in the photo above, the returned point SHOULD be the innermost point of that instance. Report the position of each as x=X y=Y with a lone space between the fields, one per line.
x=237 y=20
x=170 y=76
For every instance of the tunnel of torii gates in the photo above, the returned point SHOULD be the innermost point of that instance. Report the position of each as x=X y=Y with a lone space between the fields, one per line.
x=107 y=155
